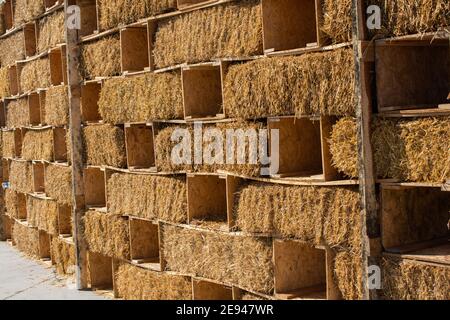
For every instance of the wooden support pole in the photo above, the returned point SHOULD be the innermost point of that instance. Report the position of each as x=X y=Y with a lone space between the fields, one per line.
x=369 y=207
x=78 y=209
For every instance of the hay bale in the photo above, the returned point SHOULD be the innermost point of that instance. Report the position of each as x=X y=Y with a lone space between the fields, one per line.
x=146 y=196
x=51 y=31
x=107 y=234
x=12 y=203
x=336 y=21
x=101 y=58
x=26 y=10
x=348 y=274
x=142 y=98
x=134 y=283
x=17 y=113
x=35 y=75
x=244 y=261
x=43 y=214
x=413 y=280
x=312 y=214
x=12 y=49
x=120 y=12
x=4 y=83
x=344 y=147
x=229 y=30
x=20 y=176
x=26 y=239
x=63 y=256
x=56 y=106
x=58 y=183
x=316 y=83
x=104 y=145
x=8 y=144
x=38 y=145
x=404 y=17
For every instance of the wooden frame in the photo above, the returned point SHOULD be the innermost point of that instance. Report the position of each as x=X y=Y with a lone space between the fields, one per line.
x=65 y=225
x=49 y=4
x=89 y=17
x=44 y=246
x=207 y=290
x=139 y=143
x=144 y=243
x=18 y=139
x=58 y=65
x=8 y=13
x=14 y=79
x=30 y=39
x=134 y=49
x=22 y=206
x=60 y=144
x=5 y=169
x=100 y=271
x=90 y=94
x=3 y=104
x=35 y=109
x=190 y=4
x=94 y=185
x=291 y=24
x=412 y=75
x=207 y=198
x=202 y=92
x=38 y=172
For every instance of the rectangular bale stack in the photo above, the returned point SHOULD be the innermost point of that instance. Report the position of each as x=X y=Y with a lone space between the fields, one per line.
x=38 y=145
x=58 y=183
x=26 y=239
x=26 y=10
x=4 y=83
x=8 y=144
x=20 y=176
x=35 y=75
x=43 y=214
x=56 y=107
x=101 y=58
x=12 y=49
x=63 y=256
x=17 y=113
x=104 y=145
x=51 y=31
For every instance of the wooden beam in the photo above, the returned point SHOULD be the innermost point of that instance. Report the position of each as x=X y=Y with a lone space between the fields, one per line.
x=74 y=82
x=369 y=211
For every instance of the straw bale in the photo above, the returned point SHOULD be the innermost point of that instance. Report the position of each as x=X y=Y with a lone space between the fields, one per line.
x=26 y=10
x=51 y=31
x=12 y=49
x=20 y=176
x=102 y=58
x=120 y=12
x=43 y=214
x=35 y=75
x=104 y=145
x=244 y=261
x=38 y=145
x=56 y=106
x=134 y=283
x=344 y=147
x=336 y=22
x=4 y=83
x=58 y=183
x=230 y=30
x=26 y=239
x=412 y=280
x=12 y=204
x=142 y=98
x=17 y=113
x=63 y=256
x=8 y=144
x=148 y=196
x=316 y=83
x=107 y=234
x=348 y=274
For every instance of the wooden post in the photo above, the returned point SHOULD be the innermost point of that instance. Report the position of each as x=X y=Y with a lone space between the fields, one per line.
x=369 y=211
x=78 y=209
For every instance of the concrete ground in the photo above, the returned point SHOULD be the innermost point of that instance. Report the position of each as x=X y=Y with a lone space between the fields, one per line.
x=25 y=279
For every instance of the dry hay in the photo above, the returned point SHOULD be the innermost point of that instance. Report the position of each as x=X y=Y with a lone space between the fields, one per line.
x=316 y=83
x=12 y=49
x=412 y=150
x=134 y=283
x=26 y=10
x=336 y=21
x=348 y=274
x=43 y=214
x=104 y=145
x=56 y=106
x=251 y=297
x=5 y=227
x=164 y=145
x=102 y=58
x=17 y=113
x=243 y=261
x=51 y=31
x=4 y=83
x=13 y=205
x=58 y=183
x=148 y=196
x=63 y=256
x=35 y=75
x=404 y=17
x=38 y=145
x=142 y=98
x=412 y=280
x=107 y=234
x=8 y=144
x=120 y=12
x=315 y=215
x=231 y=30
x=344 y=147
x=26 y=239
x=20 y=176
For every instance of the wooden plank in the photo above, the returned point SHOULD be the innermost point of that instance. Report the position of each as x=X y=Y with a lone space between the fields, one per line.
x=78 y=210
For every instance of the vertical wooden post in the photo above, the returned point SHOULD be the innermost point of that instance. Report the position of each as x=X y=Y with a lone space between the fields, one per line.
x=74 y=83
x=369 y=210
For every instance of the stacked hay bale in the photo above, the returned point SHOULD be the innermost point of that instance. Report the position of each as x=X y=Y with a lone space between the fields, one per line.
x=37 y=201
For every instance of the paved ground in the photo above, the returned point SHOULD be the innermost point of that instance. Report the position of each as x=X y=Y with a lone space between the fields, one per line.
x=24 y=279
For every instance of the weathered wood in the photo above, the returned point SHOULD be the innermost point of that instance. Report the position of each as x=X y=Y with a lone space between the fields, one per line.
x=78 y=210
